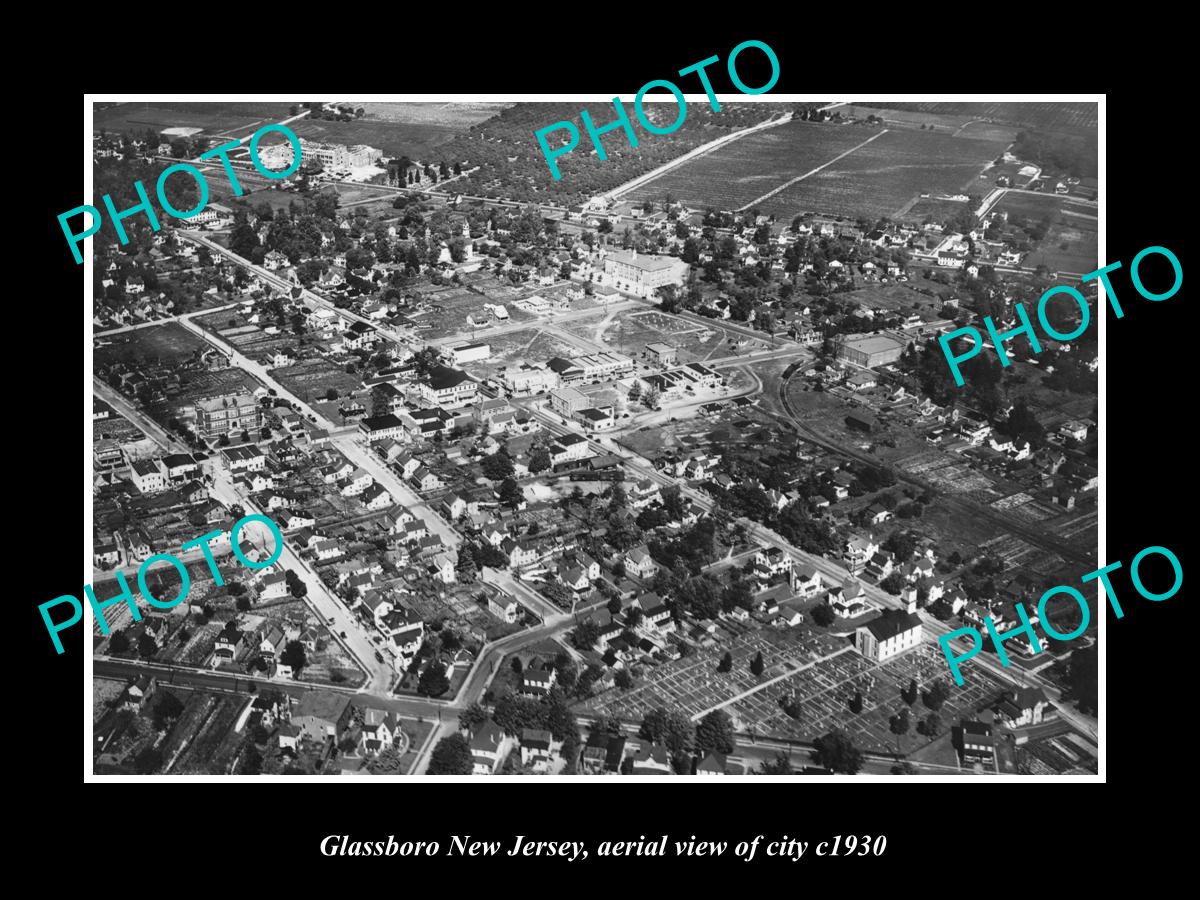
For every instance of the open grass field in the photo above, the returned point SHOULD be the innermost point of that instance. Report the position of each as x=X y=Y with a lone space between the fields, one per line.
x=215 y=119
x=934 y=210
x=737 y=173
x=1071 y=244
x=449 y=115
x=416 y=140
x=167 y=343
x=1051 y=116
x=884 y=176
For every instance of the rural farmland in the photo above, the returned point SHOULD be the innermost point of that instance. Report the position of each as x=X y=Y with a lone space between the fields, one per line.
x=766 y=160
x=884 y=176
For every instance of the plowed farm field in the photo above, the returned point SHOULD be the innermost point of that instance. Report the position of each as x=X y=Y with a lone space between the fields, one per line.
x=881 y=178
x=737 y=173
x=882 y=174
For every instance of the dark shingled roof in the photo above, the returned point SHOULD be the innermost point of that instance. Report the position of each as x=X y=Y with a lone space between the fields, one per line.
x=888 y=626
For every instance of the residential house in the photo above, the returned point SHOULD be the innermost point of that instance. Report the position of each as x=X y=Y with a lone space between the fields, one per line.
x=320 y=715
x=488 y=747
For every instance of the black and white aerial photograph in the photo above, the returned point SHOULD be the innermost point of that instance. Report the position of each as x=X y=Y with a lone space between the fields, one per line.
x=730 y=453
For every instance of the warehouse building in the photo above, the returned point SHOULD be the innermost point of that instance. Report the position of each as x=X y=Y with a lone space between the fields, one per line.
x=869 y=350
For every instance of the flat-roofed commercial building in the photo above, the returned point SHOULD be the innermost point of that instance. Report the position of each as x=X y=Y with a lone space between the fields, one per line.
x=869 y=350
x=468 y=353
x=594 y=367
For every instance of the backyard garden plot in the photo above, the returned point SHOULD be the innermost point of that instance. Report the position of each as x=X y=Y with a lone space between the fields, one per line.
x=1012 y=551
x=214 y=748
x=1025 y=507
x=312 y=379
x=882 y=177
x=104 y=692
x=737 y=173
x=948 y=474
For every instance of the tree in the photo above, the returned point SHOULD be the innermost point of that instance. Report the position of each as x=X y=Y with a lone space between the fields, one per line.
x=433 y=681
x=899 y=725
x=539 y=460
x=937 y=695
x=167 y=708
x=118 y=643
x=909 y=694
x=904 y=768
x=635 y=392
x=497 y=467
x=466 y=569
x=623 y=679
x=451 y=756
x=893 y=584
x=823 y=615
x=293 y=656
x=856 y=703
x=780 y=765
x=510 y=493
x=836 y=751
x=672 y=728
x=714 y=733
x=651 y=398
x=757 y=665
x=147 y=646
x=148 y=761
x=726 y=662
x=930 y=725
x=243 y=603
x=296 y=587
x=473 y=716
x=585 y=636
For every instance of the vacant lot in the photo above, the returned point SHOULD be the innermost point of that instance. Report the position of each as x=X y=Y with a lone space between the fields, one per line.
x=168 y=343
x=884 y=176
x=532 y=345
x=312 y=379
